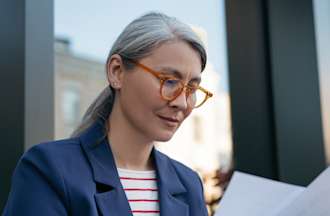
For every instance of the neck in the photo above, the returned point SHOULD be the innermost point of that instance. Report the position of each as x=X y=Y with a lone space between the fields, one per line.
x=130 y=149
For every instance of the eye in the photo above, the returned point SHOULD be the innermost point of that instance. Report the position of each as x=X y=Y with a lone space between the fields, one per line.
x=171 y=82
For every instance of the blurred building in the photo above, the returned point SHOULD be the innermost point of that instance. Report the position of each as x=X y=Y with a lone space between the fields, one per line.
x=78 y=81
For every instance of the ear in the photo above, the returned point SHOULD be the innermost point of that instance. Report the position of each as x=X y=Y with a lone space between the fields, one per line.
x=115 y=73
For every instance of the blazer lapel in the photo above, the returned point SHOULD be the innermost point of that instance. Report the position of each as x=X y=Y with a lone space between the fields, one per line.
x=169 y=186
x=112 y=203
x=110 y=197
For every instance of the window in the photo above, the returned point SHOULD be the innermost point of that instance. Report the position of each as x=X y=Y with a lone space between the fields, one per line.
x=70 y=106
x=197 y=132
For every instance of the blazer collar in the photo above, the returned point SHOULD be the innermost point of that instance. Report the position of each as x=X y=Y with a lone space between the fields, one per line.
x=112 y=199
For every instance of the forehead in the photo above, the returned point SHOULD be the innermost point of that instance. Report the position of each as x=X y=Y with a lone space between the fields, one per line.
x=176 y=57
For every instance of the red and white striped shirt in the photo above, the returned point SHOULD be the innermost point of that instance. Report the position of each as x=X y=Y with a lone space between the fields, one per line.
x=141 y=191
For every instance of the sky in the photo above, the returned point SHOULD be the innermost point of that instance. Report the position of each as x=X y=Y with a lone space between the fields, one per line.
x=93 y=26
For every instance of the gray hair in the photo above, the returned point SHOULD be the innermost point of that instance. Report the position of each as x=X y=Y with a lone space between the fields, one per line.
x=138 y=40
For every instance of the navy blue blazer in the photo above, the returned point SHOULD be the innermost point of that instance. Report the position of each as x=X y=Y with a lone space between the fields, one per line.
x=78 y=176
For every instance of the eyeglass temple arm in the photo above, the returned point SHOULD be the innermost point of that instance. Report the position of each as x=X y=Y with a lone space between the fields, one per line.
x=208 y=93
x=144 y=67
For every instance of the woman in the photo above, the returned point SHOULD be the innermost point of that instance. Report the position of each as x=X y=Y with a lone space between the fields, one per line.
x=110 y=166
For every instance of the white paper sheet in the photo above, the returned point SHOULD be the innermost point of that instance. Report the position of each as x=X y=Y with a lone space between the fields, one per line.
x=255 y=196
x=313 y=201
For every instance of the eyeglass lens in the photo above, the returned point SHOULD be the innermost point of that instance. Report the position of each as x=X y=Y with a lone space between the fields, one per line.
x=172 y=88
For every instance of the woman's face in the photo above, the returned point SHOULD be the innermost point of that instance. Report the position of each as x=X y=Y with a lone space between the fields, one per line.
x=139 y=96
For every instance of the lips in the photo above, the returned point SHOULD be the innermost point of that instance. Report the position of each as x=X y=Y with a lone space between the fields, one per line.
x=169 y=121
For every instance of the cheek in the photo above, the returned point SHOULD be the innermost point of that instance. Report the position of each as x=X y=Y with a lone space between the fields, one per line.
x=149 y=99
x=140 y=99
x=136 y=90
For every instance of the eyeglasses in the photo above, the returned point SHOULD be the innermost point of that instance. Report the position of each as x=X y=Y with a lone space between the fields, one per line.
x=171 y=87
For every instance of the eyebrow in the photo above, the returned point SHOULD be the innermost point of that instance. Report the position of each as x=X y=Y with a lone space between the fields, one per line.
x=176 y=73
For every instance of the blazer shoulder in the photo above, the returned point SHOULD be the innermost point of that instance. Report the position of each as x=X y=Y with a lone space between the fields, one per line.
x=50 y=158
x=38 y=183
x=52 y=150
x=53 y=146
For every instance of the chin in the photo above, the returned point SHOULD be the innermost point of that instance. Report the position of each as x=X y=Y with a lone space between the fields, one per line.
x=164 y=137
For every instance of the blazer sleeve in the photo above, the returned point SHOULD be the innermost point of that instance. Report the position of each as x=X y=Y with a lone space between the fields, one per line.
x=37 y=187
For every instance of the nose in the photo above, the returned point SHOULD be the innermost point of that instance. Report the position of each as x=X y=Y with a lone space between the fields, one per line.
x=180 y=102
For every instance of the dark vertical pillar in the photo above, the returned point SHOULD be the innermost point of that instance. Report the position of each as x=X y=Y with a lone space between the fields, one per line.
x=274 y=89
x=295 y=81
x=26 y=65
x=12 y=61
x=250 y=88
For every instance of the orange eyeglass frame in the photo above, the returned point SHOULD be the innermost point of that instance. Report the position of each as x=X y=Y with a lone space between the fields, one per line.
x=163 y=78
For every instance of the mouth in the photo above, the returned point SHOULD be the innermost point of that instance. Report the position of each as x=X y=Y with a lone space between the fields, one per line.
x=169 y=121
